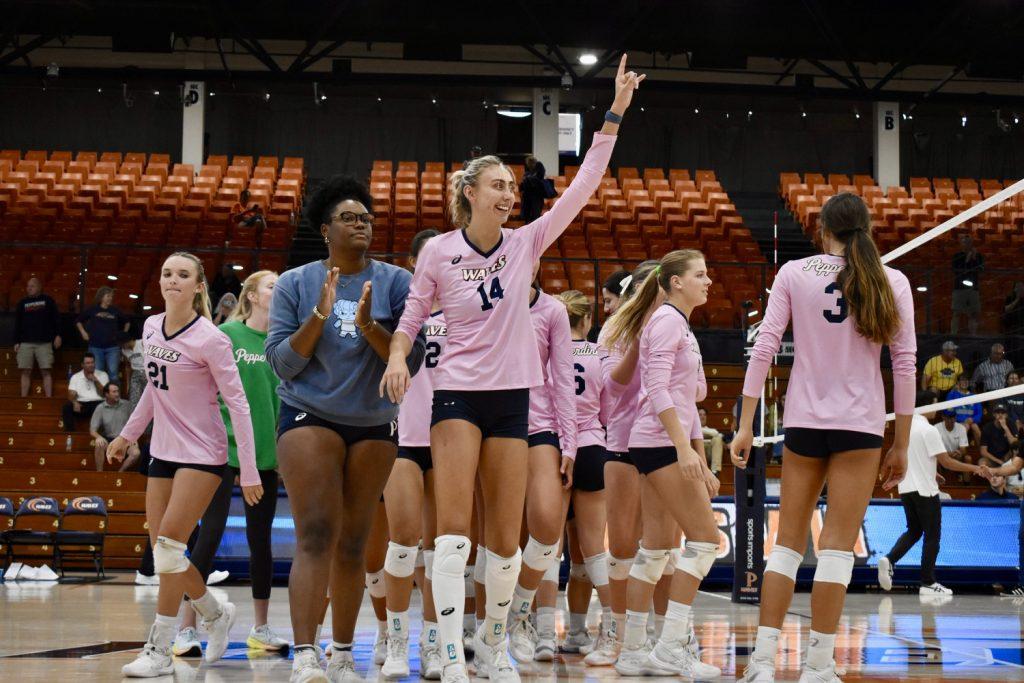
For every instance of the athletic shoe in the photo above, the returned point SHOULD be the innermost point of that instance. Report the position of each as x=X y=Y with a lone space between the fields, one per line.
x=217 y=577
x=632 y=661
x=143 y=580
x=306 y=667
x=758 y=672
x=186 y=644
x=44 y=573
x=455 y=673
x=342 y=668
x=693 y=645
x=430 y=661
x=467 y=642
x=826 y=675
x=523 y=639
x=218 y=632
x=380 y=648
x=674 y=657
x=150 y=663
x=605 y=652
x=546 y=647
x=397 y=663
x=1015 y=592
x=264 y=638
x=576 y=642
x=492 y=661
x=934 y=589
x=885 y=573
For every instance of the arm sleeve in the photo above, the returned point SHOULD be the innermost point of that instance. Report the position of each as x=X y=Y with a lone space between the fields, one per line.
x=94 y=421
x=609 y=359
x=696 y=432
x=84 y=316
x=422 y=290
x=769 y=336
x=18 y=313
x=141 y=416
x=903 y=350
x=54 y=316
x=563 y=380
x=933 y=443
x=285 y=318
x=928 y=368
x=545 y=230
x=399 y=296
x=963 y=436
x=977 y=376
x=221 y=361
x=702 y=384
x=663 y=336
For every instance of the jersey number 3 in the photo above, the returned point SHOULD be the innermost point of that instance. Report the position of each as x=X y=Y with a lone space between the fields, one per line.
x=496 y=292
x=158 y=374
x=831 y=314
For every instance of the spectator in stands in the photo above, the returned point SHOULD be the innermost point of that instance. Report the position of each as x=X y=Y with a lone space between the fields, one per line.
x=247 y=214
x=611 y=291
x=967 y=266
x=108 y=419
x=134 y=353
x=534 y=189
x=996 y=490
x=226 y=281
x=997 y=438
x=940 y=372
x=36 y=323
x=1013 y=310
x=225 y=307
x=991 y=374
x=969 y=415
x=954 y=438
x=85 y=392
x=713 y=442
x=1015 y=404
x=101 y=326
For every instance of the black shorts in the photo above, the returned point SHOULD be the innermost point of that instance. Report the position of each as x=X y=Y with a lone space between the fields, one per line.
x=649 y=460
x=498 y=414
x=292 y=418
x=165 y=469
x=821 y=443
x=588 y=472
x=544 y=439
x=418 y=454
x=614 y=456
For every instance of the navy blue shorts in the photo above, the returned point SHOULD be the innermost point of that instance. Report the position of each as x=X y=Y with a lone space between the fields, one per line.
x=821 y=443
x=588 y=472
x=165 y=469
x=293 y=418
x=613 y=456
x=418 y=454
x=545 y=439
x=497 y=414
x=649 y=460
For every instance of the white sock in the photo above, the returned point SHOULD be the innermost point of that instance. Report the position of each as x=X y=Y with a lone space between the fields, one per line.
x=659 y=624
x=341 y=647
x=820 y=650
x=619 y=626
x=163 y=632
x=502 y=574
x=767 y=644
x=522 y=602
x=207 y=606
x=636 y=629
x=398 y=624
x=546 y=620
x=652 y=621
x=577 y=622
x=607 y=622
x=429 y=633
x=469 y=622
x=677 y=622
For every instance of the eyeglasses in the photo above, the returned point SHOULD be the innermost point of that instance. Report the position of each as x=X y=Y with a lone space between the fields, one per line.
x=350 y=218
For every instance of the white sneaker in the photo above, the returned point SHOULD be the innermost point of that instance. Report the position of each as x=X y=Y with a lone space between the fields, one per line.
x=935 y=589
x=380 y=648
x=632 y=661
x=675 y=657
x=150 y=663
x=430 y=661
x=218 y=632
x=693 y=645
x=264 y=638
x=342 y=668
x=216 y=577
x=885 y=573
x=576 y=642
x=44 y=573
x=605 y=652
x=306 y=667
x=523 y=639
x=758 y=672
x=492 y=661
x=186 y=643
x=143 y=580
x=455 y=673
x=546 y=647
x=827 y=675
x=397 y=663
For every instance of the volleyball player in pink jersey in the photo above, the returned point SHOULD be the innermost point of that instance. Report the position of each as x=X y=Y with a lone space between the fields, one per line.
x=481 y=275
x=552 y=452
x=844 y=306
x=677 y=486
x=188 y=361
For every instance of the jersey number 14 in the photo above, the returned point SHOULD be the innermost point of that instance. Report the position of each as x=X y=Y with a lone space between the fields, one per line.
x=495 y=292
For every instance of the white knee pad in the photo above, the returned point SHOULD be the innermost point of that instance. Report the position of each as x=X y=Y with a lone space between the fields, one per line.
x=783 y=560
x=596 y=567
x=169 y=556
x=649 y=565
x=538 y=556
x=834 y=566
x=696 y=559
x=400 y=560
x=428 y=564
x=451 y=553
x=375 y=584
x=552 y=573
x=619 y=567
x=480 y=568
x=673 y=561
x=577 y=571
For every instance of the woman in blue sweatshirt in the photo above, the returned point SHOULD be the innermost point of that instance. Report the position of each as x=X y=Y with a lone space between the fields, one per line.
x=330 y=329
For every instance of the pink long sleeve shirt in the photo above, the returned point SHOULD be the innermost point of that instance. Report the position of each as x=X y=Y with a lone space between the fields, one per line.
x=619 y=400
x=553 y=404
x=836 y=382
x=185 y=371
x=589 y=385
x=485 y=295
x=414 y=413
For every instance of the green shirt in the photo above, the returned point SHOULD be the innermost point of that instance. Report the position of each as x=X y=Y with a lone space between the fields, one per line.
x=260 y=384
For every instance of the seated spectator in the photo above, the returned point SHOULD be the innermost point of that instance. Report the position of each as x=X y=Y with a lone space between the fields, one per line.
x=225 y=307
x=997 y=439
x=996 y=490
x=713 y=442
x=970 y=415
x=85 y=392
x=246 y=215
x=1013 y=310
x=108 y=419
x=940 y=372
x=36 y=325
x=1015 y=404
x=991 y=374
x=954 y=438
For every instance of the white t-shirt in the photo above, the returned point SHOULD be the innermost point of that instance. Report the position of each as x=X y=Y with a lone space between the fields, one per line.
x=955 y=440
x=135 y=355
x=925 y=446
x=85 y=389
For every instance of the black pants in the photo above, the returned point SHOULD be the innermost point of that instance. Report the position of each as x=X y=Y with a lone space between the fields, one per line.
x=68 y=413
x=924 y=515
x=258 y=522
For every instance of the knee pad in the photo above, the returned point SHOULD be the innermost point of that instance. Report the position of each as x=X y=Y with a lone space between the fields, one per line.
x=619 y=567
x=400 y=560
x=428 y=564
x=596 y=567
x=552 y=572
x=480 y=568
x=538 y=556
x=375 y=584
x=169 y=556
x=649 y=565
x=578 y=571
x=696 y=559
x=834 y=566
x=783 y=560
x=674 y=558
x=451 y=553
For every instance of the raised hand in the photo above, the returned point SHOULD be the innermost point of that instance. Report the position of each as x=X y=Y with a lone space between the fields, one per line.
x=328 y=293
x=365 y=306
x=625 y=83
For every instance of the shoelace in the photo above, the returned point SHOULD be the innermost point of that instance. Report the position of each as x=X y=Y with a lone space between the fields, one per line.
x=397 y=648
x=605 y=642
x=529 y=630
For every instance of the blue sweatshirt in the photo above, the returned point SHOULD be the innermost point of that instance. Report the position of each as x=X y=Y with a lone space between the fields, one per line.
x=971 y=410
x=340 y=382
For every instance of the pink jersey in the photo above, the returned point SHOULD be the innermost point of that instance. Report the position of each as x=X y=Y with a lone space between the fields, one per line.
x=185 y=372
x=670 y=369
x=590 y=404
x=836 y=382
x=553 y=404
x=414 y=413
x=485 y=295
x=619 y=400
